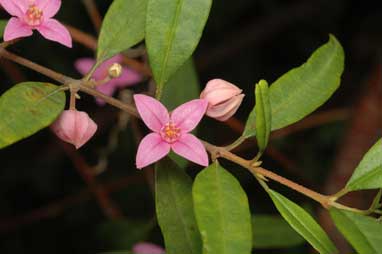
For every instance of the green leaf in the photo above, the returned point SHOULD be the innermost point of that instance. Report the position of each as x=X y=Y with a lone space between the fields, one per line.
x=271 y=232
x=27 y=108
x=173 y=30
x=364 y=233
x=173 y=197
x=368 y=174
x=302 y=90
x=263 y=114
x=122 y=28
x=183 y=86
x=3 y=24
x=303 y=223
x=123 y=234
x=222 y=212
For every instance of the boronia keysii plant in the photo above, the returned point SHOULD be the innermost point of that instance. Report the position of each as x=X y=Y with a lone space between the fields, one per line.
x=210 y=213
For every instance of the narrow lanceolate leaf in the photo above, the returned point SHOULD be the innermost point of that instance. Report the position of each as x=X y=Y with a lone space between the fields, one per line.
x=27 y=108
x=173 y=197
x=222 y=212
x=263 y=114
x=272 y=232
x=363 y=233
x=122 y=28
x=303 y=223
x=368 y=174
x=302 y=90
x=3 y=23
x=173 y=30
x=174 y=93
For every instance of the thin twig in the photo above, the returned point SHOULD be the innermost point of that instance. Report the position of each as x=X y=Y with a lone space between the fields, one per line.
x=108 y=207
x=36 y=67
x=94 y=14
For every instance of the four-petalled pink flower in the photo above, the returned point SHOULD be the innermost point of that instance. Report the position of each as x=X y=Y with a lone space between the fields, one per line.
x=127 y=78
x=35 y=14
x=170 y=131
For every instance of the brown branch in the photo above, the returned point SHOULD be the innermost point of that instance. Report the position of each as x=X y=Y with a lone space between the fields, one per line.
x=83 y=38
x=36 y=67
x=94 y=14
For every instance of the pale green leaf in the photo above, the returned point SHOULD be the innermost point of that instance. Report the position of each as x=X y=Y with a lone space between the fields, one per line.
x=175 y=213
x=27 y=108
x=182 y=87
x=263 y=114
x=364 y=233
x=302 y=90
x=173 y=30
x=122 y=28
x=368 y=174
x=303 y=223
x=271 y=232
x=222 y=212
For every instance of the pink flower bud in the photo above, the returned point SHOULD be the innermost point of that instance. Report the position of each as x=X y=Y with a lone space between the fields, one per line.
x=147 y=248
x=75 y=127
x=223 y=99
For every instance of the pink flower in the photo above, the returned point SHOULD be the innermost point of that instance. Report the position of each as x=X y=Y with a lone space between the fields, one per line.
x=128 y=77
x=35 y=14
x=170 y=131
x=74 y=127
x=147 y=248
x=223 y=98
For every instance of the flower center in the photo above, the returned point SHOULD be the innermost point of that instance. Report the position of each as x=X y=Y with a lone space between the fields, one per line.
x=170 y=133
x=34 y=15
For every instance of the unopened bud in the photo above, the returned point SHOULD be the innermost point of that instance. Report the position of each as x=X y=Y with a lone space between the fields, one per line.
x=115 y=71
x=147 y=248
x=223 y=97
x=74 y=127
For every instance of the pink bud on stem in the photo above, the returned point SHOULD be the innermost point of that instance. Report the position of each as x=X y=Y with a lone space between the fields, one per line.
x=75 y=127
x=223 y=99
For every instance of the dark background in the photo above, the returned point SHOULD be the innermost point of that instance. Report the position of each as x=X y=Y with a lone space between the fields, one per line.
x=46 y=206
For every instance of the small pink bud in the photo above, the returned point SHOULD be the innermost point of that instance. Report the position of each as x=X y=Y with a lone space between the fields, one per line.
x=75 y=127
x=147 y=248
x=223 y=99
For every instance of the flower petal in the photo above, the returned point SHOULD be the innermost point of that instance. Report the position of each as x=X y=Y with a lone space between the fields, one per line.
x=49 y=7
x=153 y=113
x=128 y=77
x=16 y=29
x=108 y=89
x=151 y=149
x=147 y=248
x=218 y=90
x=15 y=7
x=64 y=126
x=53 y=30
x=224 y=111
x=103 y=70
x=190 y=147
x=85 y=129
x=188 y=115
x=84 y=65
